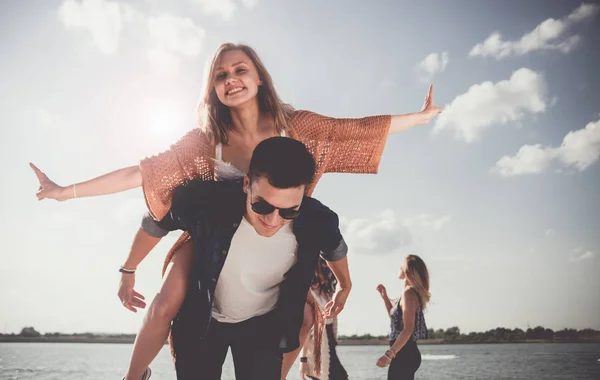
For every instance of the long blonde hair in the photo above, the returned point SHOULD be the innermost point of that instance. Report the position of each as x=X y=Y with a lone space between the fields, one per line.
x=214 y=118
x=417 y=277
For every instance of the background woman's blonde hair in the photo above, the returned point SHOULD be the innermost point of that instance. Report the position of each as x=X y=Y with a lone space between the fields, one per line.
x=417 y=277
x=214 y=118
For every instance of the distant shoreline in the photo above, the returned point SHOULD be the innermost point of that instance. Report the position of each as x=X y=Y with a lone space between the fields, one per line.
x=342 y=342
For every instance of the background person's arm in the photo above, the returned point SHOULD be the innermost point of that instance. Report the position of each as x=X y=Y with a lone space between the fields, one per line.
x=386 y=300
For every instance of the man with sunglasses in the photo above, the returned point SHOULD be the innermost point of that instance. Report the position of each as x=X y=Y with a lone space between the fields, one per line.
x=257 y=244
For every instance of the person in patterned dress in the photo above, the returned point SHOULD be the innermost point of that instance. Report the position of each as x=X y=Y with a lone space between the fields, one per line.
x=407 y=322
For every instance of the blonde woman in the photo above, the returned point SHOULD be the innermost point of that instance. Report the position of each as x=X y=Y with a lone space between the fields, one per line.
x=407 y=321
x=239 y=109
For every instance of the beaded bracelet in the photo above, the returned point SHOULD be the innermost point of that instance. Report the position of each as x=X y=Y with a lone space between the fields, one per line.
x=393 y=355
x=126 y=271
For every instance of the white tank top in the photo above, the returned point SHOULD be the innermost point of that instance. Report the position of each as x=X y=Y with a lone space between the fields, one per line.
x=225 y=170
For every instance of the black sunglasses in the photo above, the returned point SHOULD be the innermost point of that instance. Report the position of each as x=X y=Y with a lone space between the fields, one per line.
x=263 y=207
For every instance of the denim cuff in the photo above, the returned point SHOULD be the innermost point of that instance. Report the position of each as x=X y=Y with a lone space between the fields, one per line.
x=151 y=227
x=337 y=254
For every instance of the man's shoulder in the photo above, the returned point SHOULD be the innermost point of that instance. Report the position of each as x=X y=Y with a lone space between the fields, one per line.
x=317 y=214
x=318 y=224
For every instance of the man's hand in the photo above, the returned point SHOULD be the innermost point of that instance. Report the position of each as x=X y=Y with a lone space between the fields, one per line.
x=335 y=306
x=129 y=297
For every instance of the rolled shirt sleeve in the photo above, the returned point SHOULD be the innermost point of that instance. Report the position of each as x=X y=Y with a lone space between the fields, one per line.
x=152 y=228
x=337 y=253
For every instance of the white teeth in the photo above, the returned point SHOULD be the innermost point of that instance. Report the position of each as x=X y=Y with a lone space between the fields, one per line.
x=234 y=91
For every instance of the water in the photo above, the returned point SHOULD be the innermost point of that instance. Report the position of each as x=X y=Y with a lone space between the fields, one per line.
x=46 y=361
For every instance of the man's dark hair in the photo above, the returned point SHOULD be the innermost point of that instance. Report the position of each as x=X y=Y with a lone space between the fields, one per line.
x=285 y=162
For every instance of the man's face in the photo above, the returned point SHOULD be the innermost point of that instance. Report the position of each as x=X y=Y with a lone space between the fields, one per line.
x=284 y=200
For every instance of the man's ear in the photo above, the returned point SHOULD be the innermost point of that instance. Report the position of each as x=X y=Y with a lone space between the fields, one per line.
x=246 y=184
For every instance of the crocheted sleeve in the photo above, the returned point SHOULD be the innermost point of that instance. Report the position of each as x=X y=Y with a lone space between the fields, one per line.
x=190 y=157
x=342 y=145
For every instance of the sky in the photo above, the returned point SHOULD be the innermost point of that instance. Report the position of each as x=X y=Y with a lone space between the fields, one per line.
x=499 y=194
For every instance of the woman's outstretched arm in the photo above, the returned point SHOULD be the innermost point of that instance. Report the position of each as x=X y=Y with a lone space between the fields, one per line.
x=113 y=182
x=386 y=300
x=401 y=123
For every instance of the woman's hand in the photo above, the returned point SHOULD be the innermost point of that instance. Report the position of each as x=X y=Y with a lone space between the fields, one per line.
x=382 y=290
x=49 y=189
x=428 y=111
x=383 y=361
x=129 y=297
x=401 y=123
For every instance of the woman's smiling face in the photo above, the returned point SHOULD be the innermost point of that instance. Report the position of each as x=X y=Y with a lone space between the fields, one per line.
x=236 y=79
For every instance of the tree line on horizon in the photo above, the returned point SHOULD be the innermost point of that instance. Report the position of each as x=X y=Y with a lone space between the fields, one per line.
x=499 y=334
x=451 y=334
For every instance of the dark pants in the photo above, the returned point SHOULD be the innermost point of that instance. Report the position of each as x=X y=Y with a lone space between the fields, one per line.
x=406 y=362
x=336 y=369
x=254 y=346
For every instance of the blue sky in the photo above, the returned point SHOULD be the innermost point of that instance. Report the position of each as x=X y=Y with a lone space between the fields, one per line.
x=499 y=194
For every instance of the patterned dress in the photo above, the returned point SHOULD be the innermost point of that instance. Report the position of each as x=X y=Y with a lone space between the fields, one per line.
x=397 y=324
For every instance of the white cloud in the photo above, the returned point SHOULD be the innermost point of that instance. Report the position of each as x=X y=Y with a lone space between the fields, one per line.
x=588 y=255
x=50 y=120
x=170 y=36
x=490 y=103
x=103 y=19
x=550 y=232
x=433 y=64
x=439 y=223
x=223 y=8
x=250 y=3
x=377 y=235
x=387 y=84
x=175 y=34
x=530 y=159
x=548 y=35
x=579 y=150
x=425 y=220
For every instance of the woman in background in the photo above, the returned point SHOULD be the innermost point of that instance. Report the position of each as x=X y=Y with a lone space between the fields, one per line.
x=407 y=321
x=319 y=359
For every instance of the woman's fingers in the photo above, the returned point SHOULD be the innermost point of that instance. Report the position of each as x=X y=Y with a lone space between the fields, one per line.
x=137 y=303
x=138 y=295
x=38 y=173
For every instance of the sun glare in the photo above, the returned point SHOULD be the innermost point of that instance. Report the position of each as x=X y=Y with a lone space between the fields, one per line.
x=164 y=122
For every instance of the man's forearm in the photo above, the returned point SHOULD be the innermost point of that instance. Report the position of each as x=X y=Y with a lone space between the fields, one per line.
x=341 y=272
x=142 y=245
